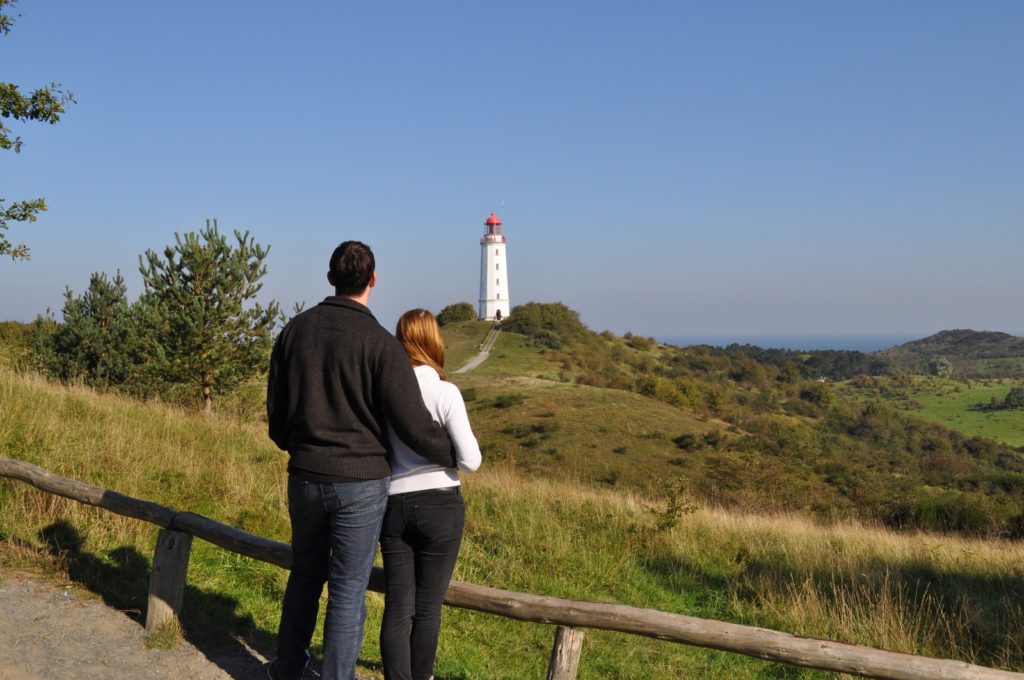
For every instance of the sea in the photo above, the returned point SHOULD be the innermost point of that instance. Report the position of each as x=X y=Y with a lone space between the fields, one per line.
x=859 y=343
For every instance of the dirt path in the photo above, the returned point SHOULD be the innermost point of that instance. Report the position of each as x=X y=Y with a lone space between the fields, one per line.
x=485 y=351
x=50 y=632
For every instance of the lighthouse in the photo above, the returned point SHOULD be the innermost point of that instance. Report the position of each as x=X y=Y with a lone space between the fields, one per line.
x=494 y=304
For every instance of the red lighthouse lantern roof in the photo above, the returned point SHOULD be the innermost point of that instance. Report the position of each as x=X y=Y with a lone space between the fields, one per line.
x=493 y=220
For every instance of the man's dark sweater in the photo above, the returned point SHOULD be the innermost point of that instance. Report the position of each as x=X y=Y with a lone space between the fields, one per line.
x=337 y=378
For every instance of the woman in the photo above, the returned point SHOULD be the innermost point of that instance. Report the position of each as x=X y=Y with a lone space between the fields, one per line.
x=423 y=523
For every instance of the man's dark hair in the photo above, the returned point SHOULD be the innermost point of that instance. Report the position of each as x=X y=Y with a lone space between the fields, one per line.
x=352 y=266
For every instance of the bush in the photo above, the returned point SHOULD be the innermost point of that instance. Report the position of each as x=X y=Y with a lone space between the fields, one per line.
x=508 y=400
x=713 y=438
x=460 y=311
x=687 y=441
x=549 y=324
x=948 y=511
x=819 y=394
x=15 y=340
x=641 y=343
x=1015 y=398
x=657 y=387
x=799 y=407
x=1014 y=528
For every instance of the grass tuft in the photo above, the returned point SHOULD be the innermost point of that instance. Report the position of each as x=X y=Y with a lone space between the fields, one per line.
x=168 y=635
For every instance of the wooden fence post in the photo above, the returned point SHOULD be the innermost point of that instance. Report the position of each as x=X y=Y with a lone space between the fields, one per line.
x=167 y=580
x=565 y=655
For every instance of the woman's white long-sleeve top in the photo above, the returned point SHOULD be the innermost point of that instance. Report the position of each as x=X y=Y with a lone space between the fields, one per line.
x=411 y=471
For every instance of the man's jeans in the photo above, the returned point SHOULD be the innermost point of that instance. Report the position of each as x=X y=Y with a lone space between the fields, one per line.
x=334 y=540
x=420 y=543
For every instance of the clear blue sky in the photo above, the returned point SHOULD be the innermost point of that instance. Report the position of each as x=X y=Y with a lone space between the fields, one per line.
x=669 y=168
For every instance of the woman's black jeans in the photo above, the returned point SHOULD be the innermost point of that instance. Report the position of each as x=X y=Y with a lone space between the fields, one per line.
x=419 y=540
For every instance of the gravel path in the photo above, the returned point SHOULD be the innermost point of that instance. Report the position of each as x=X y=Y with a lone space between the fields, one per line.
x=50 y=632
x=485 y=351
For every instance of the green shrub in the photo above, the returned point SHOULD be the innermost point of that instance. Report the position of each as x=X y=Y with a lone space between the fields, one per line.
x=713 y=438
x=460 y=311
x=15 y=340
x=1015 y=398
x=687 y=441
x=641 y=343
x=508 y=400
x=819 y=394
x=550 y=324
x=800 y=407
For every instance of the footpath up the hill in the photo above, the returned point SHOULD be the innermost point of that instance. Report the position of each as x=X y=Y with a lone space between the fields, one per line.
x=50 y=632
x=485 y=351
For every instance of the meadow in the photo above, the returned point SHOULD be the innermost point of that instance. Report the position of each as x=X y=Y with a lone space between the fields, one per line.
x=527 y=531
x=957 y=403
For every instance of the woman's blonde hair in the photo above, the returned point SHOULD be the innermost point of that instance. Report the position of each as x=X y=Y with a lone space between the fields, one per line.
x=421 y=338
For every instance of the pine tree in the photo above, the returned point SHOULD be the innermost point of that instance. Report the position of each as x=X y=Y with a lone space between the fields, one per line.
x=97 y=342
x=195 y=309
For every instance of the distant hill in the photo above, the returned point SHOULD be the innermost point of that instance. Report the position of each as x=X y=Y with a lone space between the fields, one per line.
x=953 y=353
x=961 y=353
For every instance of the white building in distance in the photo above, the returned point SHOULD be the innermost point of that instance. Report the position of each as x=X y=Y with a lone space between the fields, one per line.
x=494 y=304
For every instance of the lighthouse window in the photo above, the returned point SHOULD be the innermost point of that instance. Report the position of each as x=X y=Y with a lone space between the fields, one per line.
x=497 y=265
x=495 y=251
x=499 y=296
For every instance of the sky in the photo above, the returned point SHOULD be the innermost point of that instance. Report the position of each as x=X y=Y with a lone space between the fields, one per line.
x=671 y=168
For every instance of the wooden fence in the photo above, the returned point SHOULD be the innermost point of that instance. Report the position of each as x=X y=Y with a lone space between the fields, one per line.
x=170 y=564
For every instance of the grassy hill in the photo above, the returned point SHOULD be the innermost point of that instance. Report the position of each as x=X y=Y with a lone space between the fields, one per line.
x=971 y=354
x=542 y=533
x=462 y=341
x=719 y=483
x=737 y=427
x=629 y=413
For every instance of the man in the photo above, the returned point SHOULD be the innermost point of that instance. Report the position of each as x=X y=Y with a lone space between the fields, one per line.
x=337 y=378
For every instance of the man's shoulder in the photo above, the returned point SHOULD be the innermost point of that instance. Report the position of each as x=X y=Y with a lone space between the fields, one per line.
x=350 y=326
x=335 y=310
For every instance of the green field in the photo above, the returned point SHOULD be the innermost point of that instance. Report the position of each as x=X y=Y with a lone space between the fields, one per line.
x=951 y=402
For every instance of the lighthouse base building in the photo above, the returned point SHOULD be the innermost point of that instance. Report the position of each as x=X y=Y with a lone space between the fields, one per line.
x=494 y=302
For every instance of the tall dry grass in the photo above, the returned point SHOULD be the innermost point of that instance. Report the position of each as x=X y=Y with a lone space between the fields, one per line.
x=919 y=593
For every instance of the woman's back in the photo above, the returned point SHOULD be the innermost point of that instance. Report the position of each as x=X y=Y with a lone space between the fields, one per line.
x=412 y=472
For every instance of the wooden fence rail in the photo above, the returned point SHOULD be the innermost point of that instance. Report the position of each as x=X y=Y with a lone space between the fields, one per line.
x=171 y=559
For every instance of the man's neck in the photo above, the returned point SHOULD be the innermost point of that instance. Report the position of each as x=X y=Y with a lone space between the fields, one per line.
x=363 y=299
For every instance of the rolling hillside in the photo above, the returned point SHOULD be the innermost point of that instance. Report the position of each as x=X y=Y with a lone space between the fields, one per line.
x=970 y=354
x=927 y=594
x=615 y=470
x=631 y=414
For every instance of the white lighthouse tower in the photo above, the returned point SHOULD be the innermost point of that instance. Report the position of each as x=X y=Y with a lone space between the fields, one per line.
x=494 y=304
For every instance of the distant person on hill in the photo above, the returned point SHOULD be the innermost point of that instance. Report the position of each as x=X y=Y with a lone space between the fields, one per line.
x=338 y=383
x=423 y=524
